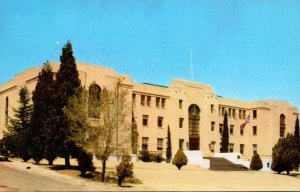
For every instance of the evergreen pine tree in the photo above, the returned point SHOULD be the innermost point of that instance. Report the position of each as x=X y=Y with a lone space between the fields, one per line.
x=256 y=163
x=285 y=155
x=44 y=133
x=134 y=136
x=19 y=130
x=85 y=162
x=225 y=135
x=277 y=159
x=296 y=132
x=67 y=84
x=169 y=147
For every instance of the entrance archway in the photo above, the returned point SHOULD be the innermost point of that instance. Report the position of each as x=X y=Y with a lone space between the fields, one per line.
x=194 y=119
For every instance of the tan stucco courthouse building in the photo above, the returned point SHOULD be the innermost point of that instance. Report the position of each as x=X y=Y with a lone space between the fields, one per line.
x=192 y=110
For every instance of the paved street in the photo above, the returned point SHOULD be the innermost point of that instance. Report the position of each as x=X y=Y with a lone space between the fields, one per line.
x=16 y=180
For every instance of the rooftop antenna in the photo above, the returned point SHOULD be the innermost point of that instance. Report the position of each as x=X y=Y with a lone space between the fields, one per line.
x=192 y=73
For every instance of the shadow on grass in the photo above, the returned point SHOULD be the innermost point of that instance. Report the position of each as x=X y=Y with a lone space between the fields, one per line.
x=63 y=167
x=293 y=174
x=5 y=160
x=110 y=177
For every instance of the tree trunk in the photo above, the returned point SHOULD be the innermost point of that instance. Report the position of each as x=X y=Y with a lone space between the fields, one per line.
x=67 y=159
x=288 y=172
x=120 y=181
x=50 y=162
x=103 y=170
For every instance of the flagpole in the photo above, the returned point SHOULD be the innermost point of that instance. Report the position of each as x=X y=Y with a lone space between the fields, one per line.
x=249 y=140
x=192 y=73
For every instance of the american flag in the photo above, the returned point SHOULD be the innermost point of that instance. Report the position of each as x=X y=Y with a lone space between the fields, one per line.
x=247 y=120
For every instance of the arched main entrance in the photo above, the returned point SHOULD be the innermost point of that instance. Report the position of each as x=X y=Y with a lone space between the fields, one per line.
x=194 y=119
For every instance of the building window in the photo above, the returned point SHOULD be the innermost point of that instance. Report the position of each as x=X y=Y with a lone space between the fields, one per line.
x=254 y=129
x=133 y=98
x=180 y=104
x=145 y=141
x=160 y=144
x=231 y=129
x=143 y=100
x=233 y=113
x=231 y=147
x=6 y=110
x=220 y=128
x=223 y=111
x=229 y=112
x=244 y=114
x=212 y=126
x=212 y=109
x=94 y=101
x=241 y=131
x=163 y=102
x=160 y=121
x=242 y=146
x=254 y=114
x=194 y=118
x=254 y=146
x=212 y=146
x=145 y=120
x=282 y=125
x=157 y=102
x=181 y=141
x=180 y=122
x=240 y=114
x=148 y=101
x=268 y=165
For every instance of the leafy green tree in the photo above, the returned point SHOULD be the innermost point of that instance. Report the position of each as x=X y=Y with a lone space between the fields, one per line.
x=44 y=133
x=225 y=135
x=19 y=129
x=180 y=159
x=285 y=155
x=124 y=169
x=76 y=112
x=67 y=84
x=256 y=163
x=98 y=136
x=169 y=147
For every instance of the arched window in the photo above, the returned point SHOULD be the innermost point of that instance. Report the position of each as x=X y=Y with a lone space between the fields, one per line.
x=194 y=118
x=94 y=101
x=6 y=110
x=282 y=125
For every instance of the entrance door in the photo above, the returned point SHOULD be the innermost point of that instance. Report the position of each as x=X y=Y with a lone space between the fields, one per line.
x=194 y=118
x=194 y=143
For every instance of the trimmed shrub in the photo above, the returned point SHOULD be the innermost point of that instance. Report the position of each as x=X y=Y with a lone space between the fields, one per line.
x=156 y=157
x=144 y=156
x=159 y=158
x=85 y=162
x=180 y=159
x=124 y=169
x=256 y=163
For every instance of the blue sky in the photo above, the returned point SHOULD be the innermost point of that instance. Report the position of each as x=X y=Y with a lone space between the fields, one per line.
x=247 y=50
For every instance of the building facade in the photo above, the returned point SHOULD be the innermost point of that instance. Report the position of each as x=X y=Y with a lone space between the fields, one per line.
x=192 y=111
